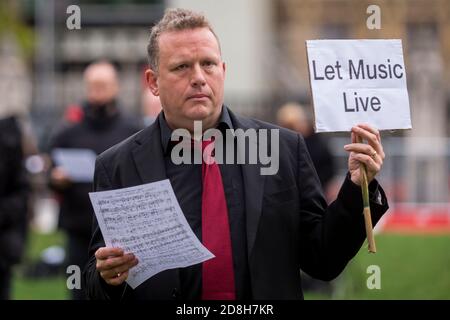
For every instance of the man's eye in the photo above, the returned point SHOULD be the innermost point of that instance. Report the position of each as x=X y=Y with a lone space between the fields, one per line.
x=181 y=67
x=208 y=64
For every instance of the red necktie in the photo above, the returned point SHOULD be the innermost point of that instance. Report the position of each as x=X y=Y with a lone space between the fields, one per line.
x=217 y=273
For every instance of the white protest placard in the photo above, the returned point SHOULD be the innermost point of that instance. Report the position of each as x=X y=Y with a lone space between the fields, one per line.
x=147 y=220
x=79 y=164
x=358 y=81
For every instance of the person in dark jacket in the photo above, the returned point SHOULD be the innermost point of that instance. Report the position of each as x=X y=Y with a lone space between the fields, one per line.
x=101 y=126
x=14 y=191
x=262 y=228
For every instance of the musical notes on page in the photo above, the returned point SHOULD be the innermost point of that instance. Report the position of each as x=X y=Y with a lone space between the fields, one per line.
x=147 y=221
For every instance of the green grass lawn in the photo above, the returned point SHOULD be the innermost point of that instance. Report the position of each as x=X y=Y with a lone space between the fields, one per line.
x=50 y=288
x=411 y=267
x=40 y=289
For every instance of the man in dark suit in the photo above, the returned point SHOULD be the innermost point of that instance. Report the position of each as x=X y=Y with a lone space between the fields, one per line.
x=277 y=224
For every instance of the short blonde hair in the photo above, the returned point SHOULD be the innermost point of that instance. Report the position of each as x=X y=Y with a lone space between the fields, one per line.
x=174 y=19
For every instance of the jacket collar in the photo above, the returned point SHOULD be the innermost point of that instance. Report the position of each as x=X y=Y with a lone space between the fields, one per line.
x=147 y=154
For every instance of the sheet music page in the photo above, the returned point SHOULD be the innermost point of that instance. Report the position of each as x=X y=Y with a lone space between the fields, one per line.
x=147 y=221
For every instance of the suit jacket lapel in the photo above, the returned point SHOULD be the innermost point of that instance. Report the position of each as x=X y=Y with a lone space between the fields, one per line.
x=253 y=185
x=148 y=155
x=149 y=160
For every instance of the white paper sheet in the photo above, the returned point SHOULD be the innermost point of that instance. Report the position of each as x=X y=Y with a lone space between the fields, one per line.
x=79 y=164
x=147 y=221
x=358 y=81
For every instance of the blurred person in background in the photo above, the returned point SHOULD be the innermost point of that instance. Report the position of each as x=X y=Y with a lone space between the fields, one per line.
x=17 y=141
x=14 y=192
x=100 y=125
x=295 y=117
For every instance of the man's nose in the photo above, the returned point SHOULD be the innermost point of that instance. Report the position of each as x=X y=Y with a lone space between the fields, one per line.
x=197 y=78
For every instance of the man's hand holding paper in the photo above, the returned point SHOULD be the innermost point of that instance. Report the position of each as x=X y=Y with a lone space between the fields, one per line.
x=114 y=265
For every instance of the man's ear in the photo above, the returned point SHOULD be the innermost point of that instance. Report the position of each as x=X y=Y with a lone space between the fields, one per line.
x=152 y=81
x=224 y=68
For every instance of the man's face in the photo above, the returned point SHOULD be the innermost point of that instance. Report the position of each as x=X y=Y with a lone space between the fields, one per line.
x=101 y=85
x=190 y=78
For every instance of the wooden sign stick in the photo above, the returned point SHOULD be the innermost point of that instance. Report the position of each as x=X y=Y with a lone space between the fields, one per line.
x=365 y=194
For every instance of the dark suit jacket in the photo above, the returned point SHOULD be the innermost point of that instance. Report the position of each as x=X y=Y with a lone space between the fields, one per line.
x=289 y=225
x=14 y=193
